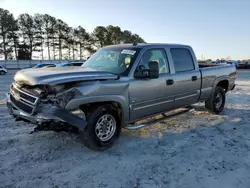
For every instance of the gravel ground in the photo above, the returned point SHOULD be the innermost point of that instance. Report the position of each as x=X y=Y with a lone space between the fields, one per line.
x=191 y=150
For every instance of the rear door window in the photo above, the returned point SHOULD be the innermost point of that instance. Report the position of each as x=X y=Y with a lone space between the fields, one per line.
x=182 y=59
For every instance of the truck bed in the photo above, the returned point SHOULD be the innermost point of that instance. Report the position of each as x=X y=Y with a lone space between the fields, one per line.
x=211 y=74
x=202 y=65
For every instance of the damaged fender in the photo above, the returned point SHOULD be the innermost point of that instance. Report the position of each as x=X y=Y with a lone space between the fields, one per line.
x=65 y=116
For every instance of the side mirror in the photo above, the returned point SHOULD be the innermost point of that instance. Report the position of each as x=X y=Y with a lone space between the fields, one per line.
x=151 y=73
x=153 y=69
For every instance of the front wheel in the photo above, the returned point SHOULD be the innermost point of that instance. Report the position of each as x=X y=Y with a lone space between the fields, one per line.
x=103 y=129
x=217 y=101
x=2 y=73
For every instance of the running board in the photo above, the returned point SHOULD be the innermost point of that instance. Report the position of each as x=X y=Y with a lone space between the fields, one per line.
x=133 y=127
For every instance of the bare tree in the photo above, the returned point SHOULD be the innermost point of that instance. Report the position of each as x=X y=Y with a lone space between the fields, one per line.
x=29 y=32
x=49 y=29
x=82 y=40
x=61 y=29
x=40 y=30
x=7 y=26
x=69 y=41
x=14 y=36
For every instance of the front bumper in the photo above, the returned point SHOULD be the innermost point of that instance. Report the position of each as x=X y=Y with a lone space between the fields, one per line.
x=47 y=114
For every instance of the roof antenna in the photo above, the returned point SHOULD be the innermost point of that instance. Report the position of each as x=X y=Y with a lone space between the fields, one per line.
x=135 y=43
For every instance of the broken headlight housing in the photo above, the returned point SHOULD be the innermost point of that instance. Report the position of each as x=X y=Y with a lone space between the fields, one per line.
x=64 y=97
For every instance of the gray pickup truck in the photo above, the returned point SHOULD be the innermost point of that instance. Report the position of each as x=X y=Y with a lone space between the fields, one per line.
x=117 y=86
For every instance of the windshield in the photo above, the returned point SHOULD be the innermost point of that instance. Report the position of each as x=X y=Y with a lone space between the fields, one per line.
x=113 y=60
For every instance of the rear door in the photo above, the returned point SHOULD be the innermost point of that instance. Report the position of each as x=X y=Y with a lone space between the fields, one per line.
x=187 y=77
x=151 y=96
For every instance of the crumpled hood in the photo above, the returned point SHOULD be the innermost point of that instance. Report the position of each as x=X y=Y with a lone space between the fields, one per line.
x=59 y=75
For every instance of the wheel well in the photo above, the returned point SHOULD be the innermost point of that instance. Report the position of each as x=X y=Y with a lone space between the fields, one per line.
x=224 y=84
x=90 y=106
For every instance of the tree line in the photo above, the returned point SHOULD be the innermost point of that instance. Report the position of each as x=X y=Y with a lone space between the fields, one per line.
x=27 y=34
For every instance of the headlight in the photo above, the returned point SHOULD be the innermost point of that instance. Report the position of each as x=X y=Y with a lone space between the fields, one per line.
x=79 y=113
x=64 y=97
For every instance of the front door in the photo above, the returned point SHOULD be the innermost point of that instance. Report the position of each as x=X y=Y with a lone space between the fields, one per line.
x=152 y=96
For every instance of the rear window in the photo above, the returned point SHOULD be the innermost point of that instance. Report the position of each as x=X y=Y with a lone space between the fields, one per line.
x=183 y=60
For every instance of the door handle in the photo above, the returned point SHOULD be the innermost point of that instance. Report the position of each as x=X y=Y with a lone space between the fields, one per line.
x=194 y=78
x=170 y=82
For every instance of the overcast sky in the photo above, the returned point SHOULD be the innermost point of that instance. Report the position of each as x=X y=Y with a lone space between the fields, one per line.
x=214 y=28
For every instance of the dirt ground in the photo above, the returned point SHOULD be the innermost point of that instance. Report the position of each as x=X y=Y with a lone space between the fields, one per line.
x=191 y=150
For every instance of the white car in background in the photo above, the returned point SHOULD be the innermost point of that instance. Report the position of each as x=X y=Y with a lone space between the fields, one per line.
x=221 y=62
x=235 y=63
x=3 y=70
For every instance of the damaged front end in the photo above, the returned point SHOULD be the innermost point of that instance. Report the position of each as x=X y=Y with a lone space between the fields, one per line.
x=44 y=104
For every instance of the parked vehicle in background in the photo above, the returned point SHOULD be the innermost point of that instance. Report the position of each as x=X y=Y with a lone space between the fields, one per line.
x=116 y=87
x=47 y=65
x=247 y=65
x=220 y=62
x=51 y=65
x=44 y=65
x=3 y=70
x=78 y=63
x=235 y=63
x=242 y=65
x=70 y=64
x=30 y=66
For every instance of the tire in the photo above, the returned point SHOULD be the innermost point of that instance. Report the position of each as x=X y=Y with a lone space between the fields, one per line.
x=215 y=104
x=89 y=135
x=2 y=73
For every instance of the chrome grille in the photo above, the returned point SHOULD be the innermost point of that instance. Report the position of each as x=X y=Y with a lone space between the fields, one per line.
x=27 y=97
x=22 y=106
x=22 y=100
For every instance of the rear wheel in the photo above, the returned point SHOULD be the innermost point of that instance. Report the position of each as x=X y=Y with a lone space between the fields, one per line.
x=217 y=101
x=103 y=129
